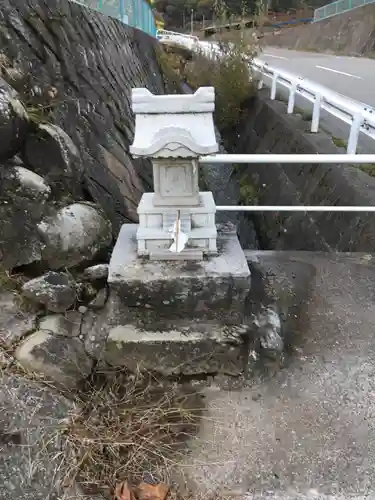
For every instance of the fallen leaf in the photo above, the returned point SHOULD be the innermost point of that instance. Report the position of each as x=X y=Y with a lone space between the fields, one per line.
x=123 y=492
x=147 y=491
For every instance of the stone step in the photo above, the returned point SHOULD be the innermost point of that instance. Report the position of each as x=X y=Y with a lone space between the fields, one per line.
x=185 y=348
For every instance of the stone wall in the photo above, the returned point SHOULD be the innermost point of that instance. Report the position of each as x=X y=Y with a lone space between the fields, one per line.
x=266 y=128
x=351 y=33
x=73 y=68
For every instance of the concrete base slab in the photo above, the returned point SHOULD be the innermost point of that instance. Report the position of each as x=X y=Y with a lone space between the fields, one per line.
x=214 y=287
x=307 y=432
x=187 y=348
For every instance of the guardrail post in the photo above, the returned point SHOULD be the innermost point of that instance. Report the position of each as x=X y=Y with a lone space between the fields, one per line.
x=354 y=133
x=292 y=98
x=121 y=10
x=274 y=86
x=316 y=113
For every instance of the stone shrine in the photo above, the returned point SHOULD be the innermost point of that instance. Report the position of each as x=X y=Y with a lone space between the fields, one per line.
x=178 y=283
x=174 y=130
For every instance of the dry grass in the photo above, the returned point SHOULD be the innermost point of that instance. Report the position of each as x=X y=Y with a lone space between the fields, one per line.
x=13 y=283
x=9 y=282
x=129 y=426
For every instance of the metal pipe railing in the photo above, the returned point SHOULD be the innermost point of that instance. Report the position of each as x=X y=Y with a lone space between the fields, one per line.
x=294 y=159
x=290 y=158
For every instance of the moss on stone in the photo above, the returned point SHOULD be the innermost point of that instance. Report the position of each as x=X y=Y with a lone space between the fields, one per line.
x=340 y=143
x=369 y=168
x=248 y=192
x=7 y=282
x=170 y=68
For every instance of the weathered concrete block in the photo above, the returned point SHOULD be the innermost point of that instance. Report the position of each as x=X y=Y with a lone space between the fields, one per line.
x=213 y=288
x=187 y=348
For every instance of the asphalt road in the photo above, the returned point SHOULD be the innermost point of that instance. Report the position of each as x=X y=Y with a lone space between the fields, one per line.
x=307 y=431
x=353 y=77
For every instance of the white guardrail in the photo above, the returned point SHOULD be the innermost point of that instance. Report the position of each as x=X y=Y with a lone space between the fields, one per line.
x=359 y=117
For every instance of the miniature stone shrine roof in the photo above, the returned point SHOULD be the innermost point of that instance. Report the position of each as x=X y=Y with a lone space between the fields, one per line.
x=174 y=126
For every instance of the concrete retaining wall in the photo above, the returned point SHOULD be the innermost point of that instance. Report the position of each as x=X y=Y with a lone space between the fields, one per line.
x=82 y=66
x=266 y=128
x=350 y=33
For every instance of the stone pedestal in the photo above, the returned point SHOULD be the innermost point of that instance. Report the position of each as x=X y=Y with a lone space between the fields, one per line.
x=155 y=223
x=178 y=317
x=208 y=289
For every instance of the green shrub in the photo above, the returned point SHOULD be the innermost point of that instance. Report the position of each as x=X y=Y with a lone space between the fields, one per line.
x=229 y=72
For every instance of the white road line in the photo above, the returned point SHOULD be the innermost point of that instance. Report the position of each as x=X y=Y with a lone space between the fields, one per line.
x=340 y=72
x=276 y=57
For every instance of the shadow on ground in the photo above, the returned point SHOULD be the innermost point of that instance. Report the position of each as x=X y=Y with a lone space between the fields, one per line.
x=307 y=431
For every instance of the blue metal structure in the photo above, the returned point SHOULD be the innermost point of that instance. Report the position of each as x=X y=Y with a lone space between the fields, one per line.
x=334 y=8
x=135 y=13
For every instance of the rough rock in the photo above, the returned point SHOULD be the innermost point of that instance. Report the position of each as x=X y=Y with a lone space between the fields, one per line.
x=15 y=323
x=13 y=121
x=60 y=163
x=16 y=161
x=269 y=329
x=61 y=359
x=185 y=348
x=30 y=439
x=75 y=234
x=56 y=291
x=5 y=359
x=86 y=292
x=96 y=273
x=64 y=325
x=100 y=300
x=23 y=196
x=33 y=182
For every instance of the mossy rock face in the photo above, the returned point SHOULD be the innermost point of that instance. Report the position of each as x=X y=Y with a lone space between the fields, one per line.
x=13 y=121
x=74 y=234
x=248 y=192
x=20 y=212
x=51 y=153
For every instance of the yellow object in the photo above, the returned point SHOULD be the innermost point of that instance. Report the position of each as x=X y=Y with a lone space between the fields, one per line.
x=159 y=24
